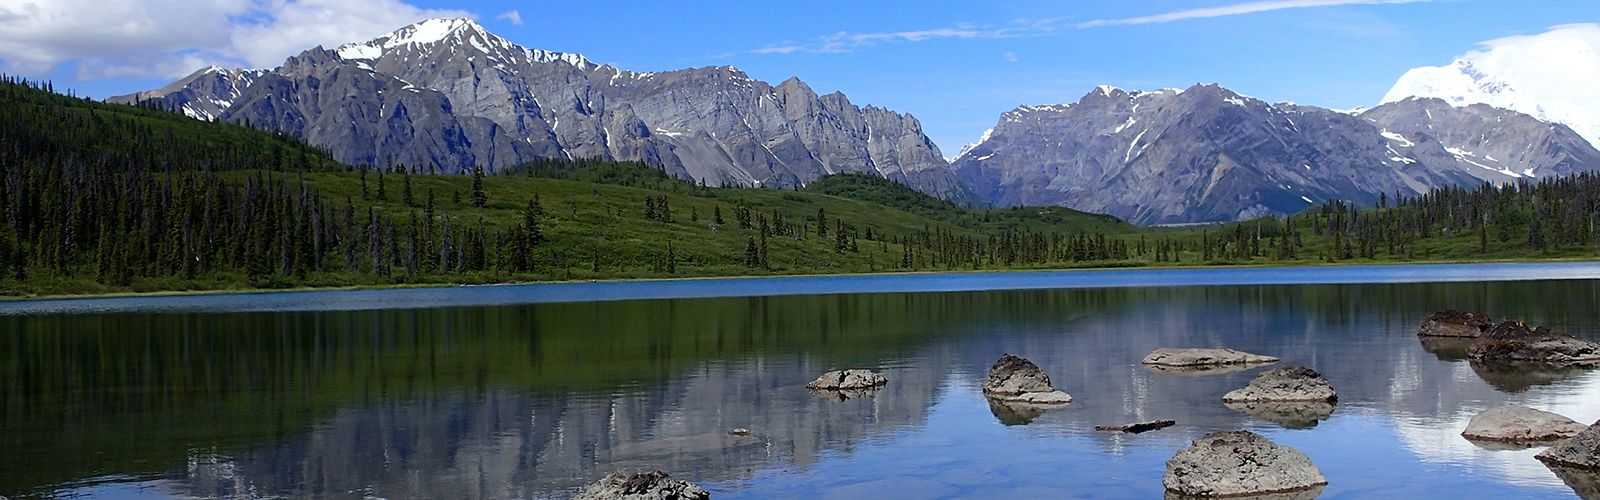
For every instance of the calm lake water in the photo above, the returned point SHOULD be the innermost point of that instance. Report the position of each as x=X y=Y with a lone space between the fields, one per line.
x=515 y=392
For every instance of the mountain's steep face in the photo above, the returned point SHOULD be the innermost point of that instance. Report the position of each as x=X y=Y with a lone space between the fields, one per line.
x=450 y=94
x=1207 y=154
x=1490 y=144
x=204 y=94
x=1552 y=76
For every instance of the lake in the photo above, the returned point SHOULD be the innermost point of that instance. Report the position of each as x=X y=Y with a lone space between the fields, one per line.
x=536 y=391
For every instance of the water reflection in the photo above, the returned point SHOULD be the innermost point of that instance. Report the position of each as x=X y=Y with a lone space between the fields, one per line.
x=532 y=401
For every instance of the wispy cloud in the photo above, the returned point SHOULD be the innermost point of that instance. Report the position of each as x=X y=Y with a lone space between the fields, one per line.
x=510 y=16
x=1234 y=10
x=847 y=41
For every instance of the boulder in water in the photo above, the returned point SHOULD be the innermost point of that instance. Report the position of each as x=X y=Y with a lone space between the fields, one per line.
x=1514 y=341
x=642 y=486
x=1239 y=463
x=1580 y=452
x=1520 y=424
x=1190 y=357
x=1453 y=323
x=848 y=380
x=1285 y=384
x=1017 y=380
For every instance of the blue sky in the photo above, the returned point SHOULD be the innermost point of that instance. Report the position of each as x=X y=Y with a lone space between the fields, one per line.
x=956 y=67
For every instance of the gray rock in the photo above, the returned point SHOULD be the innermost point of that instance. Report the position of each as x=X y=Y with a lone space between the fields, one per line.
x=1238 y=463
x=1014 y=379
x=1520 y=424
x=1137 y=427
x=653 y=485
x=1581 y=451
x=1289 y=414
x=1190 y=357
x=1514 y=341
x=1453 y=323
x=844 y=380
x=1207 y=154
x=468 y=97
x=1286 y=384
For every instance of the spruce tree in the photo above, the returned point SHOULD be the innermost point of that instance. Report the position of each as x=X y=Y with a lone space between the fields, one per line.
x=479 y=198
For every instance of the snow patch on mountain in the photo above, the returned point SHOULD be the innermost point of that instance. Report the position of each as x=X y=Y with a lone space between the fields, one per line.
x=1552 y=76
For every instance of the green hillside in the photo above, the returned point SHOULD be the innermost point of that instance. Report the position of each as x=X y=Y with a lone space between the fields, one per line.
x=100 y=198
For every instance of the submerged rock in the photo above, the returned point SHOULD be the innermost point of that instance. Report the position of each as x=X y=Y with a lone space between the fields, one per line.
x=1017 y=380
x=1285 y=384
x=1514 y=341
x=1584 y=482
x=1518 y=376
x=1289 y=414
x=1238 y=463
x=1453 y=323
x=1581 y=451
x=1137 y=427
x=1015 y=413
x=848 y=379
x=642 y=486
x=1518 y=424
x=1189 y=357
x=1447 y=348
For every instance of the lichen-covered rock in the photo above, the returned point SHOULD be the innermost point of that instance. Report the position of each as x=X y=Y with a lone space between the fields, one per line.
x=1517 y=424
x=1581 y=451
x=1286 y=384
x=1014 y=379
x=1289 y=414
x=651 y=485
x=1236 y=463
x=1515 y=341
x=1186 y=357
x=1453 y=323
x=848 y=380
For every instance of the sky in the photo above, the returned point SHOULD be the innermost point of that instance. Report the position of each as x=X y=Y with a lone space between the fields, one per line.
x=956 y=67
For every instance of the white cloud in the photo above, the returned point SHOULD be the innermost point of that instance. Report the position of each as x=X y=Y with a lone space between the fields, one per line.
x=511 y=16
x=170 y=38
x=1009 y=56
x=847 y=42
x=1234 y=10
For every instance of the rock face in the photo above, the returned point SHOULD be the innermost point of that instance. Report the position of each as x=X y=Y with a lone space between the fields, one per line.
x=1137 y=427
x=653 y=485
x=1581 y=451
x=844 y=380
x=1517 y=424
x=1206 y=154
x=1014 y=379
x=1203 y=357
x=1239 y=463
x=1514 y=341
x=1453 y=323
x=1286 y=384
x=1289 y=414
x=447 y=94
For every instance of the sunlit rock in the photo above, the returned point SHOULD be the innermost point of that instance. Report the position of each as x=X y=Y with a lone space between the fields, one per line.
x=1515 y=341
x=1453 y=323
x=1193 y=357
x=1518 y=424
x=1239 y=463
x=1016 y=380
x=642 y=486
x=1286 y=384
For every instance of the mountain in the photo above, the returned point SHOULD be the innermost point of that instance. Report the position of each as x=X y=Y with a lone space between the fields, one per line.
x=1207 y=154
x=449 y=94
x=1553 y=76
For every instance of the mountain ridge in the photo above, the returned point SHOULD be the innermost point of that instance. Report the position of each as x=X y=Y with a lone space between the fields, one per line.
x=450 y=94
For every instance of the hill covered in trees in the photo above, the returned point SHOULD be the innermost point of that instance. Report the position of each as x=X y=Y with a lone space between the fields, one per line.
x=100 y=198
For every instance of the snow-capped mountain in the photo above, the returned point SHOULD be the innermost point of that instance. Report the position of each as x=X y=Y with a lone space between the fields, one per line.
x=449 y=94
x=1206 y=154
x=1553 y=76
